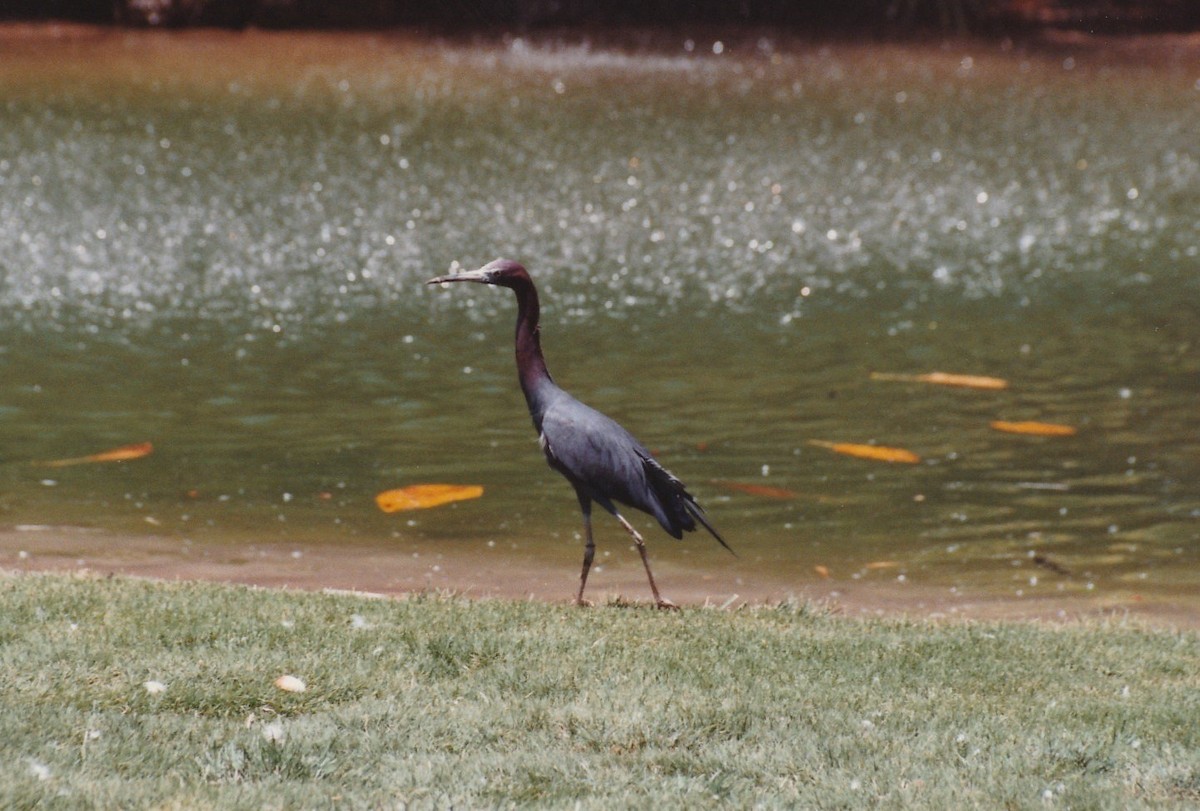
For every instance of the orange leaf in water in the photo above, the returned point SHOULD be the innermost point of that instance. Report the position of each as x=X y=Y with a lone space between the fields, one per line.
x=422 y=496
x=764 y=490
x=822 y=570
x=947 y=379
x=881 y=564
x=121 y=454
x=880 y=453
x=1035 y=428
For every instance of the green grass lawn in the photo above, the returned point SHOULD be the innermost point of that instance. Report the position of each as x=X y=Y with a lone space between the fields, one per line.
x=434 y=702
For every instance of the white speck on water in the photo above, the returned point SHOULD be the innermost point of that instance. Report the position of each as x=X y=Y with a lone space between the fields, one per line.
x=1132 y=194
x=981 y=198
x=718 y=47
x=766 y=470
x=1125 y=394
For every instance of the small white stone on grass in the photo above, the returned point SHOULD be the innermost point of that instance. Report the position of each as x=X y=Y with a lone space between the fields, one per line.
x=291 y=684
x=154 y=687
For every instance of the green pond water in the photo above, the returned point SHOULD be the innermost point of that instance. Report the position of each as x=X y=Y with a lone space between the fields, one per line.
x=218 y=242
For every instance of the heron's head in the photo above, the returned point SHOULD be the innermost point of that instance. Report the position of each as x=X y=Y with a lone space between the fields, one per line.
x=501 y=272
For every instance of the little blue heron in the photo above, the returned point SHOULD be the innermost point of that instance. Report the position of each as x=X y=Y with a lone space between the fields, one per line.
x=601 y=460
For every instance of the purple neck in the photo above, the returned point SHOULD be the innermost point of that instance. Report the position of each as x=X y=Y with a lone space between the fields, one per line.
x=536 y=382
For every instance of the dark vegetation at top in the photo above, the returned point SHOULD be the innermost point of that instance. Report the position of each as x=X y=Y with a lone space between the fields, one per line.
x=854 y=17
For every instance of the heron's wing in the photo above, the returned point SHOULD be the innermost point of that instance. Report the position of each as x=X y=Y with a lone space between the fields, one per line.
x=594 y=452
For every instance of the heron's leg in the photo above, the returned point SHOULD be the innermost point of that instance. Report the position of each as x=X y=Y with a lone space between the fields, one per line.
x=660 y=601
x=589 y=551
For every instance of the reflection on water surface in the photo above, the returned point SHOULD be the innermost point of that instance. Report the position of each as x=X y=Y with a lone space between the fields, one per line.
x=217 y=242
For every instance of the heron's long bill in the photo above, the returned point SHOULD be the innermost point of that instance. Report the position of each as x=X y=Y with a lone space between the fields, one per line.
x=469 y=276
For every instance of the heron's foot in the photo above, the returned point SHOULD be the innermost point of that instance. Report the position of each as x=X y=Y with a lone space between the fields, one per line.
x=666 y=605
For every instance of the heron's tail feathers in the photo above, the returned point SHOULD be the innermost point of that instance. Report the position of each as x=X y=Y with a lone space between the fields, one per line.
x=678 y=504
x=697 y=512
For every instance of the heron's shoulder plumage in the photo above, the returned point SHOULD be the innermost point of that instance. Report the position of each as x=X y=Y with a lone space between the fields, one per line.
x=606 y=463
x=590 y=447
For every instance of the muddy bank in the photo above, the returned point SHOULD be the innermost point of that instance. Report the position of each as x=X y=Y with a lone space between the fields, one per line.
x=378 y=569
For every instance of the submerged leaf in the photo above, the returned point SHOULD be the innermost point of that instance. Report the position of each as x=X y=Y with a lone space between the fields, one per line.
x=422 y=496
x=764 y=490
x=823 y=571
x=880 y=453
x=946 y=379
x=1035 y=428
x=121 y=454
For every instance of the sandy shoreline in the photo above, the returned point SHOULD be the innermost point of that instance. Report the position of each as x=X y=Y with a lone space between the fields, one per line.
x=380 y=569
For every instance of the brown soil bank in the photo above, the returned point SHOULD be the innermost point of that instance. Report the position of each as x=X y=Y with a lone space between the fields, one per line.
x=379 y=569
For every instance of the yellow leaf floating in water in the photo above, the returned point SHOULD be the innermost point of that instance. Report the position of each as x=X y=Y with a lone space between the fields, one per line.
x=423 y=496
x=1035 y=428
x=880 y=453
x=121 y=454
x=947 y=379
